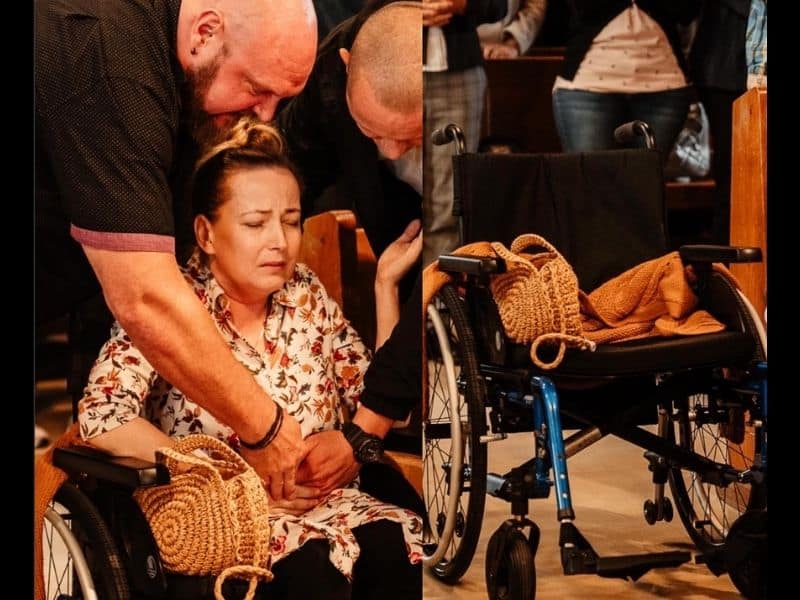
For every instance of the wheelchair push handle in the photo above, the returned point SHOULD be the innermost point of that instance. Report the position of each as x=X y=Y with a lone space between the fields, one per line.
x=627 y=132
x=450 y=133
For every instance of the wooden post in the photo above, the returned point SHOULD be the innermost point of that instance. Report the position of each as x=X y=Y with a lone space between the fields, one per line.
x=339 y=253
x=749 y=191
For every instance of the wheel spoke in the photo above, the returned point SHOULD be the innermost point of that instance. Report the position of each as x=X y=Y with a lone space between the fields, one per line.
x=709 y=510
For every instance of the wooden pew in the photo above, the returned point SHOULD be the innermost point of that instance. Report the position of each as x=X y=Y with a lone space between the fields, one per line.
x=518 y=100
x=338 y=251
x=748 y=225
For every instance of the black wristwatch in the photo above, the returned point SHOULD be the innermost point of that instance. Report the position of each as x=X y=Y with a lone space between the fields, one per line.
x=367 y=448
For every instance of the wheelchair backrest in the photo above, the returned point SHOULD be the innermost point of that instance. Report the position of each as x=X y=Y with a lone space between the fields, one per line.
x=605 y=211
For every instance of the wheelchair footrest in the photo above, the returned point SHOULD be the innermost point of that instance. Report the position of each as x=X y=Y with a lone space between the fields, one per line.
x=578 y=557
x=635 y=565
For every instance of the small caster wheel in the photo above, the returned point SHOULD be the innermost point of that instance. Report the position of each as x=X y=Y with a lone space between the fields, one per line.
x=650 y=512
x=666 y=509
x=510 y=566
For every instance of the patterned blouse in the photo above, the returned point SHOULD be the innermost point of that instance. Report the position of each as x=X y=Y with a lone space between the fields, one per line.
x=313 y=367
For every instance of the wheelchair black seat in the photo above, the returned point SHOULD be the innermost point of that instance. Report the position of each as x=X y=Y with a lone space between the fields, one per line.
x=647 y=355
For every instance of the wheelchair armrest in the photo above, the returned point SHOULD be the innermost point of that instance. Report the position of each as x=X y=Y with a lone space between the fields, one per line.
x=700 y=253
x=130 y=473
x=470 y=265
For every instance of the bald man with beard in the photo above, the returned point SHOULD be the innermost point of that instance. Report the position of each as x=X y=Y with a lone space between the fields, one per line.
x=114 y=82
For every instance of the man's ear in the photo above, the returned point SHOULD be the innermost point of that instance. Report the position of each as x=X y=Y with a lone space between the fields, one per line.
x=345 y=56
x=204 y=234
x=207 y=25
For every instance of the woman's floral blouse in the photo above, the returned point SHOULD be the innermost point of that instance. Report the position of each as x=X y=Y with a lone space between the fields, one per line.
x=313 y=367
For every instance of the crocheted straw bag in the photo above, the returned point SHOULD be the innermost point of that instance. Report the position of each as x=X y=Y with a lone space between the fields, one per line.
x=537 y=298
x=212 y=518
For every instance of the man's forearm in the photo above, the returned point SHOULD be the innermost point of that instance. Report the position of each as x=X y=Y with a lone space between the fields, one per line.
x=393 y=381
x=137 y=438
x=150 y=298
x=387 y=311
x=372 y=422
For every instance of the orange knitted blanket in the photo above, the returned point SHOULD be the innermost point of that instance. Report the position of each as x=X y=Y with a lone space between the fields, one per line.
x=651 y=299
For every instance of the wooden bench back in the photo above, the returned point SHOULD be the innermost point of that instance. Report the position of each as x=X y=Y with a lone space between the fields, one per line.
x=749 y=191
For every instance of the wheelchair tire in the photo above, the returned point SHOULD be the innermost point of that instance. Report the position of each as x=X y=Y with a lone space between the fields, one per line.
x=86 y=545
x=708 y=511
x=513 y=577
x=455 y=554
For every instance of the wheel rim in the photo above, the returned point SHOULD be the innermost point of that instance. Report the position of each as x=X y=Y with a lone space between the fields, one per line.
x=709 y=510
x=444 y=458
x=67 y=571
x=443 y=484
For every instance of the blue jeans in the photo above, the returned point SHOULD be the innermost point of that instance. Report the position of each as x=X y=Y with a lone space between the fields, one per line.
x=586 y=120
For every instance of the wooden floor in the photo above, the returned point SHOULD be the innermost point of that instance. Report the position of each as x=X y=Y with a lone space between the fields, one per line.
x=609 y=482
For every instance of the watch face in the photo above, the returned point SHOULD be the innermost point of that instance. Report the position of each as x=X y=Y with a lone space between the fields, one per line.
x=370 y=451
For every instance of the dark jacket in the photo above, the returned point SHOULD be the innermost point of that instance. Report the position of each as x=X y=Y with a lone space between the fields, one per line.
x=329 y=148
x=717 y=59
x=589 y=17
x=461 y=36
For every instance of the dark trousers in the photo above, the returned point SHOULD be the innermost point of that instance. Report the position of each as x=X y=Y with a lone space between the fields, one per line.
x=382 y=571
x=586 y=120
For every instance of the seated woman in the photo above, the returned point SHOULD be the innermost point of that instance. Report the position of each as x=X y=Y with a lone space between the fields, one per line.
x=282 y=325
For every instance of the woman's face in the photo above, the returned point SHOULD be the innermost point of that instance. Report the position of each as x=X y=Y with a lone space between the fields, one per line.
x=254 y=241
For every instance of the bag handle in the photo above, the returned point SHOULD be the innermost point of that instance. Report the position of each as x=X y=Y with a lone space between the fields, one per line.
x=511 y=258
x=520 y=243
x=563 y=340
x=531 y=239
x=182 y=452
x=242 y=572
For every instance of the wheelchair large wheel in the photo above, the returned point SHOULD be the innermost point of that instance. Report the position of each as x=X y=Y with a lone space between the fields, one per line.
x=80 y=558
x=454 y=421
x=708 y=511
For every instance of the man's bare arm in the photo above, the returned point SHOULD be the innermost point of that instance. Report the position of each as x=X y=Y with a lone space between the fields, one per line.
x=150 y=298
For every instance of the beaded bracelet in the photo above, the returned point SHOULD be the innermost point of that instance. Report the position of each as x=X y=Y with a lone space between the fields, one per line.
x=271 y=434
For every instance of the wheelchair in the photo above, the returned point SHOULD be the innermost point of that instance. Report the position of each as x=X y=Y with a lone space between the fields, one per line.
x=703 y=397
x=97 y=545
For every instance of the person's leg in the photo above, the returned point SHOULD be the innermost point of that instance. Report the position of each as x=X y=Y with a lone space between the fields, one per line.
x=665 y=112
x=382 y=571
x=585 y=121
x=457 y=98
x=388 y=485
x=308 y=574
